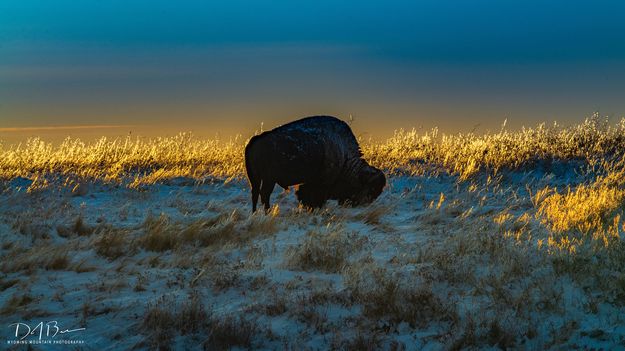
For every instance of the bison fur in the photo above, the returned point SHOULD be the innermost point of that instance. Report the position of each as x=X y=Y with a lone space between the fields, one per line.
x=321 y=155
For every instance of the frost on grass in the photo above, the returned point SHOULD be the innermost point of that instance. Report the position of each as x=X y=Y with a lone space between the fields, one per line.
x=505 y=240
x=386 y=295
x=323 y=250
x=135 y=161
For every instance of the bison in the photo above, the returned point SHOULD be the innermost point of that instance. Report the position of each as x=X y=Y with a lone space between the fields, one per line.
x=319 y=154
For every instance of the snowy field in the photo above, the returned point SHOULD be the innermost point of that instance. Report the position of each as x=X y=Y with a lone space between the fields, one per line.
x=434 y=264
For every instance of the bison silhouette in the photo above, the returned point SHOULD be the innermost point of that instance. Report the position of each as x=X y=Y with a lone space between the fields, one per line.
x=319 y=154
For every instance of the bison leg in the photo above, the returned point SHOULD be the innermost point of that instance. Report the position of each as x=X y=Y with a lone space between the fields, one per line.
x=265 y=191
x=255 y=192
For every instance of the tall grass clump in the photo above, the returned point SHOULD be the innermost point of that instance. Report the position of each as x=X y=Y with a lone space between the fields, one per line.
x=590 y=210
x=586 y=208
x=387 y=295
x=164 y=319
x=327 y=250
x=584 y=230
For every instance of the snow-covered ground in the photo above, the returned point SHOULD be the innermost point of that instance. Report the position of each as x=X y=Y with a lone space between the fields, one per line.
x=432 y=264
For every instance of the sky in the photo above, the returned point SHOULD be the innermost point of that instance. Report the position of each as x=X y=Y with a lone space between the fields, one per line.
x=219 y=68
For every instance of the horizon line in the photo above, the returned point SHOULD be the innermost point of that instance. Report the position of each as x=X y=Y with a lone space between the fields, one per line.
x=70 y=127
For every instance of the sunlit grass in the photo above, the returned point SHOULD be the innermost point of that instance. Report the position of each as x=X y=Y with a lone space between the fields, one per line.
x=590 y=210
x=138 y=161
x=135 y=162
x=409 y=152
x=586 y=208
x=146 y=161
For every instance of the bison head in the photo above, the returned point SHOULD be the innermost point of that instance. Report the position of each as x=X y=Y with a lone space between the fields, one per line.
x=360 y=188
x=360 y=185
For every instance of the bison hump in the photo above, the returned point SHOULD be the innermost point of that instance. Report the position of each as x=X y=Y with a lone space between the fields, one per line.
x=328 y=130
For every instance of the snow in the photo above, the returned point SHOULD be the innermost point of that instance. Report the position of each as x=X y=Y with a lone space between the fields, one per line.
x=412 y=240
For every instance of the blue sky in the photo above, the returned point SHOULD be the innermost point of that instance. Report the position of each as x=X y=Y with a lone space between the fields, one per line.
x=225 y=67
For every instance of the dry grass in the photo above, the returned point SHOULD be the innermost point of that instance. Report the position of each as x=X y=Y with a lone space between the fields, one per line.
x=7 y=284
x=78 y=227
x=25 y=225
x=584 y=229
x=374 y=213
x=585 y=208
x=228 y=332
x=388 y=296
x=160 y=233
x=207 y=231
x=224 y=276
x=408 y=152
x=112 y=242
x=326 y=250
x=363 y=341
x=138 y=161
x=48 y=257
x=143 y=161
x=164 y=319
x=486 y=257
x=15 y=303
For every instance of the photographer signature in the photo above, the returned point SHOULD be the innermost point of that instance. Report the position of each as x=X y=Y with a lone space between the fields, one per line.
x=51 y=328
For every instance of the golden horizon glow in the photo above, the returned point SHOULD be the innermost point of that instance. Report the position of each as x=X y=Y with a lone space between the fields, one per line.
x=66 y=127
